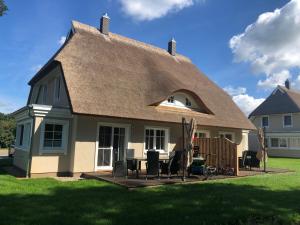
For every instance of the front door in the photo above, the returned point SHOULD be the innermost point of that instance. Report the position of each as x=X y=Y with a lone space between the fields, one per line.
x=111 y=146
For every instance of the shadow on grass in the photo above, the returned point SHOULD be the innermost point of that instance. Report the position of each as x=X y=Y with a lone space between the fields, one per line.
x=101 y=203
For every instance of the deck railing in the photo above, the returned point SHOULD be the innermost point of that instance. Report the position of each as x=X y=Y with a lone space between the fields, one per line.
x=220 y=152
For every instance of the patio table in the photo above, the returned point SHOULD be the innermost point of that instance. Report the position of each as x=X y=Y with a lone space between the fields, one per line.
x=140 y=159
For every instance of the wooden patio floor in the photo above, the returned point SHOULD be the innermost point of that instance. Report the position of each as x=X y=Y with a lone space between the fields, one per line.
x=132 y=182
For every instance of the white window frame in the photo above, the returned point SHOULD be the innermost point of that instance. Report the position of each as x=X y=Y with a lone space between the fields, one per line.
x=261 y=122
x=65 y=137
x=228 y=132
x=167 y=139
x=286 y=126
x=23 y=147
x=207 y=132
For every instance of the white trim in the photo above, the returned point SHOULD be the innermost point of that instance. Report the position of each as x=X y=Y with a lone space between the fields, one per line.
x=228 y=132
x=167 y=139
x=65 y=137
x=48 y=110
x=24 y=122
x=287 y=126
x=261 y=121
x=126 y=145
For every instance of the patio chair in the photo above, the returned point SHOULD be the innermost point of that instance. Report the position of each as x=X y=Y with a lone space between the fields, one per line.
x=119 y=169
x=152 y=165
x=173 y=165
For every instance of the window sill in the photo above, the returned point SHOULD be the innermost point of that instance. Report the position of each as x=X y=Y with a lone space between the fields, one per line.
x=53 y=152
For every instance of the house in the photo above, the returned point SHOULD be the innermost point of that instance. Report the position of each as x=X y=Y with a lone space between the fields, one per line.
x=102 y=93
x=280 y=115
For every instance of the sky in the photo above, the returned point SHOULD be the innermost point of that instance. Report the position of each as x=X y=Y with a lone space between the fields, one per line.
x=246 y=47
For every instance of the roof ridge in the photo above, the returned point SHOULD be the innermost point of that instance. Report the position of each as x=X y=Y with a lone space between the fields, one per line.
x=131 y=41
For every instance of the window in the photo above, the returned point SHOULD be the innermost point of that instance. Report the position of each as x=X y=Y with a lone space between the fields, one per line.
x=57 y=89
x=201 y=134
x=54 y=136
x=23 y=135
x=156 y=138
x=279 y=142
x=265 y=121
x=227 y=135
x=181 y=100
x=287 y=121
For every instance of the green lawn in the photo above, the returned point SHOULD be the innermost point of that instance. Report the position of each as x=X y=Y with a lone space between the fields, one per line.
x=47 y=201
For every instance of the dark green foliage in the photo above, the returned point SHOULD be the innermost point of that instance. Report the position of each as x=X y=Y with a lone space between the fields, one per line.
x=7 y=130
x=3 y=8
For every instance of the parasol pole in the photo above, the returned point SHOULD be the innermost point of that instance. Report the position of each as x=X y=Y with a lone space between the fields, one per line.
x=183 y=149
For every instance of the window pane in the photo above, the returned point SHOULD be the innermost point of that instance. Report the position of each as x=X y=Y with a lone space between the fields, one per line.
x=49 y=127
x=228 y=136
x=151 y=141
x=21 y=135
x=158 y=133
x=57 y=143
x=274 y=142
x=162 y=143
x=48 y=135
x=151 y=132
x=283 y=142
x=48 y=143
x=57 y=135
x=147 y=132
x=287 y=120
x=265 y=121
x=58 y=128
x=105 y=136
x=158 y=146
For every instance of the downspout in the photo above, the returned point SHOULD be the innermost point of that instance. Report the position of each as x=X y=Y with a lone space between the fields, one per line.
x=28 y=171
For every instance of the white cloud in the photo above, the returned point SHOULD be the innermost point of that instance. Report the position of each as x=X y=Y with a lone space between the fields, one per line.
x=244 y=101
x=235 y=91
x=153 y=9
x=62 y=40
x=271 y=44
x=274 y=79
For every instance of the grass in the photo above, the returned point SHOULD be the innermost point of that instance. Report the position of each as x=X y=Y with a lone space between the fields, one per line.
x=267 y=199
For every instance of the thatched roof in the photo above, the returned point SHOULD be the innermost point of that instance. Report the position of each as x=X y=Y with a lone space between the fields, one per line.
x=282 y=100
x=120 y=77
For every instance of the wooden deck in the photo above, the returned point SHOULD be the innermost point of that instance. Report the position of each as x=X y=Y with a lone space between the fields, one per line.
x=132 y=182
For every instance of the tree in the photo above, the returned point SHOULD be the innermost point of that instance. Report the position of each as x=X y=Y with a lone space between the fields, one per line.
x=3 y=8
x=7 y=130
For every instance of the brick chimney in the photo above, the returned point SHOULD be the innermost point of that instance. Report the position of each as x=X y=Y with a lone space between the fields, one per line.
x=287 y=84
x=172 y=47
x=104 y=24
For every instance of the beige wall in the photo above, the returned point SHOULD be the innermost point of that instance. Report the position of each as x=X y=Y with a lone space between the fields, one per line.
x=49 y=81
x=85 y=145
x=47 y=163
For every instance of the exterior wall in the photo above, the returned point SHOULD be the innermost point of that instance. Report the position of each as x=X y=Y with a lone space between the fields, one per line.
x=49 y=81
x=86 y=137
x=276 y=123
x=276 y=129
x=50 y=162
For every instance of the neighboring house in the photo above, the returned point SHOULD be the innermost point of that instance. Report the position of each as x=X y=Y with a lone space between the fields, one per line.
x=102 y=93
x=280 y=115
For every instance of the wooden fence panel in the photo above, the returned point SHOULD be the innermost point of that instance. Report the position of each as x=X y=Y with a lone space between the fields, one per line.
x=220 y=152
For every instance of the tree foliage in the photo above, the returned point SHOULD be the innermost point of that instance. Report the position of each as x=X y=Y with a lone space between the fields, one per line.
x=3 y=8
x=7 y=130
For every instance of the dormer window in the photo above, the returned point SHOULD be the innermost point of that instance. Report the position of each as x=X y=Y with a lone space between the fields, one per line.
x=181 y=100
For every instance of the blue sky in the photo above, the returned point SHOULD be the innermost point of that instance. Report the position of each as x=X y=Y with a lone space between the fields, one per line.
x=31 y=32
